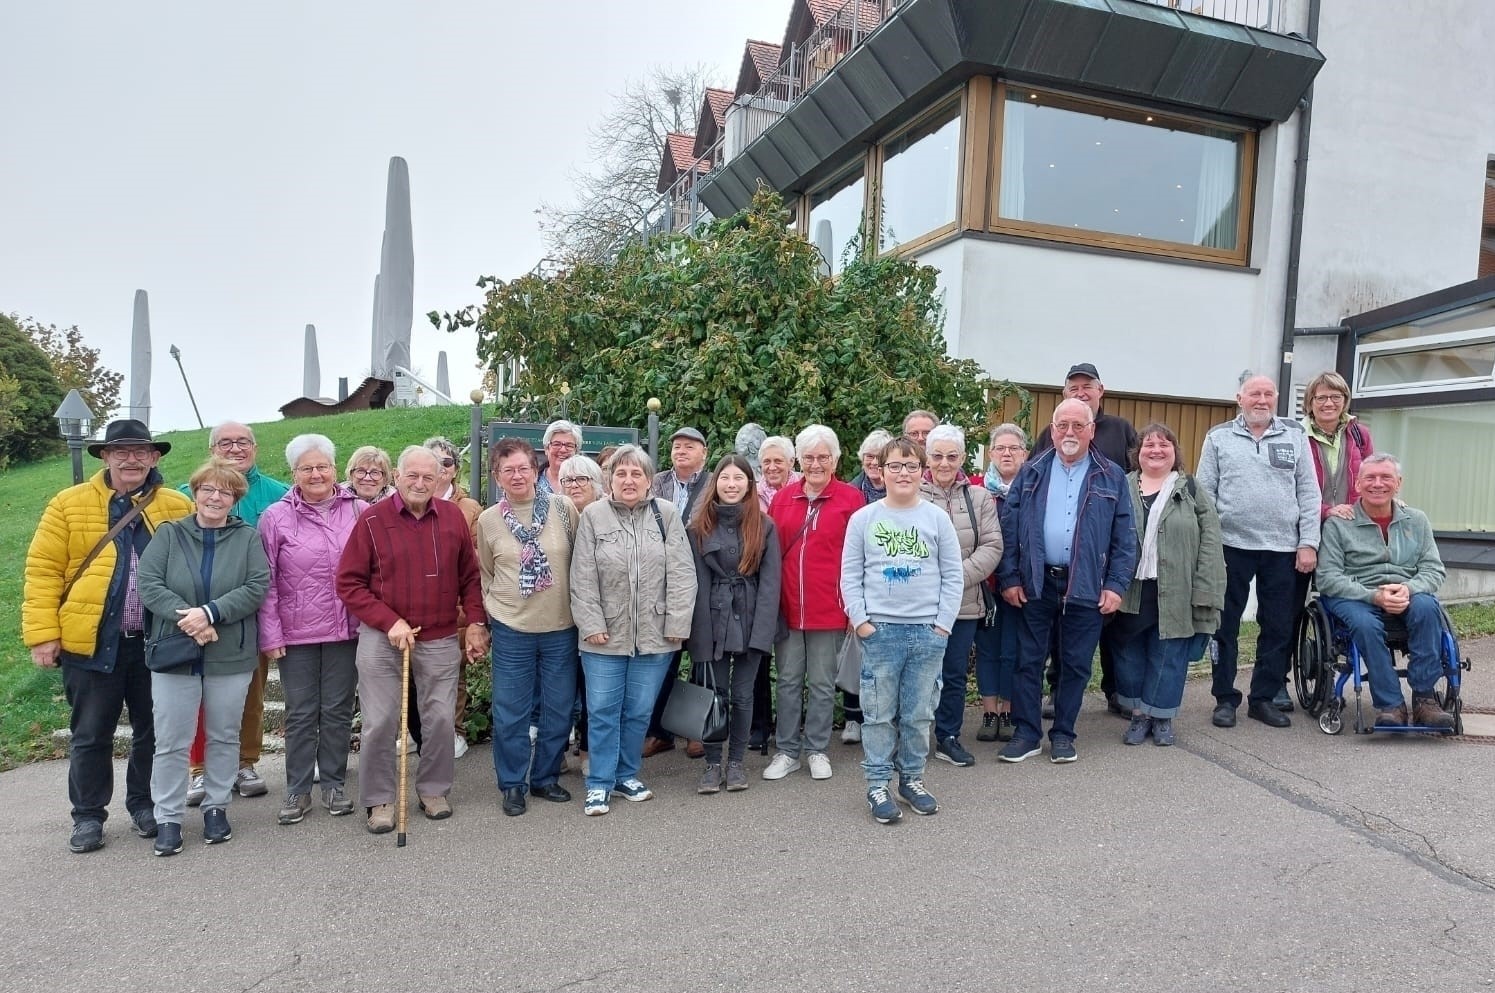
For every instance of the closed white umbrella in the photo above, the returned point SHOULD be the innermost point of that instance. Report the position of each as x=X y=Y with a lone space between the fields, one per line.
x=140 y=361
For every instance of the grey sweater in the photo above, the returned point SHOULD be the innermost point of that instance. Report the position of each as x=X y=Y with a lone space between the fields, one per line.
x=901 y=566
x=1266 y=490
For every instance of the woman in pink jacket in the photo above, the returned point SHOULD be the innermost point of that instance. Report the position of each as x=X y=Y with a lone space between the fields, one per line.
x=307 y=629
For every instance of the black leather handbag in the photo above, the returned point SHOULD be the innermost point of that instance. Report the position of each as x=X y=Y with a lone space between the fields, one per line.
x=694 y=711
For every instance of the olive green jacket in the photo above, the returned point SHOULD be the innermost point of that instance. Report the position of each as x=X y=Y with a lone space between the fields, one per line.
x=1191 y=561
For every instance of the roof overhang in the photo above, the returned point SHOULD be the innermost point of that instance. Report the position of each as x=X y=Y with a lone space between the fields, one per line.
x=1123 y=48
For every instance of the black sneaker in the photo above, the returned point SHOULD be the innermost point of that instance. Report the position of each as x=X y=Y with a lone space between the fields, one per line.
x=951 y=750
x=215 y=829
x=1062 y=750
x=1018 y=749
x=144 y=822
x=87 y=836
x=168 y=839
x=988 y=730
x=919 y=800
x=884 y=810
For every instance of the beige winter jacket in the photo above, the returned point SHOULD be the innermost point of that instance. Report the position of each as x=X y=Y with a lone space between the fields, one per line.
x=633 y=578
x=980 y=539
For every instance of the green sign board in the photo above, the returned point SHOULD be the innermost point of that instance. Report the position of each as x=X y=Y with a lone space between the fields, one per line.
x=594 y=439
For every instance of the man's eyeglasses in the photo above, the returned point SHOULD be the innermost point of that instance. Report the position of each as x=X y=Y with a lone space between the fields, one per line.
x=244 y=444
x=1071 y=427
x=902 y=466
x=130 y=453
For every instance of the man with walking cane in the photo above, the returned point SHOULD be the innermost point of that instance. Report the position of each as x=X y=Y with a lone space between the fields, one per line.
x=407 y=567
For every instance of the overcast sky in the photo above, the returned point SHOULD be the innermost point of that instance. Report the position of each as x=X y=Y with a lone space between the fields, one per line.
x=231 y=161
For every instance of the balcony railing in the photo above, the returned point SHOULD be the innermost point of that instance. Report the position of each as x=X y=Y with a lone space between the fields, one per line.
x=1263 y=14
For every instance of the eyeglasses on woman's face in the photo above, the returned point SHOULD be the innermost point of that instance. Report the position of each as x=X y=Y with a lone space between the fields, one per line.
x=374 y=473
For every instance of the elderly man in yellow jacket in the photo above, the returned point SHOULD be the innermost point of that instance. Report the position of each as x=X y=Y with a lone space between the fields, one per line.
x=81 y=611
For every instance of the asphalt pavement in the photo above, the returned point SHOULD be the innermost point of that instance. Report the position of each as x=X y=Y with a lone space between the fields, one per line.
x=1243 y=859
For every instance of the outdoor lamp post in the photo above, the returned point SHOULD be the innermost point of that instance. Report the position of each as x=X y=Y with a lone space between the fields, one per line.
x=75 y=423
x=653 y=405
x=475 y=446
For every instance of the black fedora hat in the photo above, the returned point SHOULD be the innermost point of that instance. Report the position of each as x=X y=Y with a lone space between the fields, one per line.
x=127 y=432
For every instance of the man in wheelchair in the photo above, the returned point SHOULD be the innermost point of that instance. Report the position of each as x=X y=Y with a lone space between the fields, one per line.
x=1379 y=563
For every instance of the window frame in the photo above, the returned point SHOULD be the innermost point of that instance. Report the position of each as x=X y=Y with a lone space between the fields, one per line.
x=1366 y=355
x=1246 y=171
x=806 y=206
x=956 y=100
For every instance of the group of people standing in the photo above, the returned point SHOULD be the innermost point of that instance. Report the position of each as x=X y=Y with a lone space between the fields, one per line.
x=590 y=581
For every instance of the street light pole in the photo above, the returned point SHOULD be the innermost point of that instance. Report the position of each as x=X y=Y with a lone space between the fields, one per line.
x=176 y=353
x=75 y=423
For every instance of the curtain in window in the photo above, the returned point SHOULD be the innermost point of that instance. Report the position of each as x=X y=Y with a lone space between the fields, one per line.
x=1215 y=207
x=1013 y=190
x=1448 y=465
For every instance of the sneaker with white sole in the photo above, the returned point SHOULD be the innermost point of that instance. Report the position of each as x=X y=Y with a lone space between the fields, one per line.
x=197 y=790
x=884 y=810
x=632 y=789
x=820 y=766
x=851 y=734
x=595 y=804
x=337 y=802
x=780 y=766
x=249 y=783
x=294 y=809
x=459 y=746
x=919 y=800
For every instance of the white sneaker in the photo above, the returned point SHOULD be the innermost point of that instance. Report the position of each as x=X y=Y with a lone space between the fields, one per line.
x=780 y=766
x=851 y=734
x=820 y=766
x=459 y=746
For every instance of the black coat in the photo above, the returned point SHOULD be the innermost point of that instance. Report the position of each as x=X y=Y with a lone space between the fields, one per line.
x=733 y=612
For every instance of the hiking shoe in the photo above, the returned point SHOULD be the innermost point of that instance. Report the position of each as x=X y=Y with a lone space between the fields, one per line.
x=919 y=800
x=737 y=780
x=884 y=810
x=632 y=790
x=1062 y=750
x=294 y=809
x=951 y=750
x=988 y=730
x=1018 y=749
x=780 y=766
x=436 y=808
x=1392 y=717
x=249 y=783
x=820 y=766
x=197 y=790
x=381 y=818
x=595 y=804
x=1005 y=727
x=1429 y=713
x=851 y=734
x=168 y=840
x=337 y=802
x=215 y=829
x=1137 y=731
x=1162 y=731
x=712 y=779
x=144 y=823
x=87 y=836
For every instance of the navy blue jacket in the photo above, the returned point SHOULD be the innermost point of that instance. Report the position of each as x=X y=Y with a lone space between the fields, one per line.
x=1104 y=553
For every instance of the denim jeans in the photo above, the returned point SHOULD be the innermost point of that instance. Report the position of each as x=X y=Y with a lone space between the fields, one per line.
x=523 y=661
x=621 y=690
x=1073 y=629
x=1367 y=626
x=901 y=666
x=996 y=652
x=96 y=699
x=1277 y=609
x=1150 y=671
x=951 y=712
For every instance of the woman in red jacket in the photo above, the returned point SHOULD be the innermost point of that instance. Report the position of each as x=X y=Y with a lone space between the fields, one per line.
x=810 y=515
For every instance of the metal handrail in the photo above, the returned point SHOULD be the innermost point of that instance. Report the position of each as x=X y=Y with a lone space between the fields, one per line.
x=1264 y=14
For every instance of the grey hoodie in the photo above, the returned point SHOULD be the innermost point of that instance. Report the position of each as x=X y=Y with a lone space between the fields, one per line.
x=1265 y=489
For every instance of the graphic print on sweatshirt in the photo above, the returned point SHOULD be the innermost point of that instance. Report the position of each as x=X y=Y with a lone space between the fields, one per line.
x=900 y=543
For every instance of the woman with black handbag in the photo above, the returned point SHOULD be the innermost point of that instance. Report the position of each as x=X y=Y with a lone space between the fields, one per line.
x=736 y=617
x=202 y=581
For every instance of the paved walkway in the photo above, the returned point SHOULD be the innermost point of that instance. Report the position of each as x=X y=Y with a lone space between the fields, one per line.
x=1251 y=859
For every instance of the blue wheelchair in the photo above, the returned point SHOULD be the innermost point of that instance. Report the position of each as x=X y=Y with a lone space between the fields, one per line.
x=1325 y=659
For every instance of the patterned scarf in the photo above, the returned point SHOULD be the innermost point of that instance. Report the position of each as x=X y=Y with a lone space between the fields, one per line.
x=993 y=481
x=534 y=567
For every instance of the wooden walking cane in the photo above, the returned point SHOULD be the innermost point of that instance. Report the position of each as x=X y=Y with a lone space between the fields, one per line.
x=404 y=754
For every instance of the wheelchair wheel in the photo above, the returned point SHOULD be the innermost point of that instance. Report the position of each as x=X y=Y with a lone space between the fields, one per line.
x=1330 y=721
x=1313 y=660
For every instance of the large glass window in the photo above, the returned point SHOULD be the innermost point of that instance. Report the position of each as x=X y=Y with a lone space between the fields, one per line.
x=920 y=179
x=1448 y=466
x=1125 y=173
x=836 y=217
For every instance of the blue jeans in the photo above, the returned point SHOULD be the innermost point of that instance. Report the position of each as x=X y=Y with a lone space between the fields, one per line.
x=1366 y=624
x=520 y=661
x=900 y=680
x=1278 y=603
x=621 y=690
x=1075 y=631
x=996 y=652
x=1150 y=671
x=951 y=712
